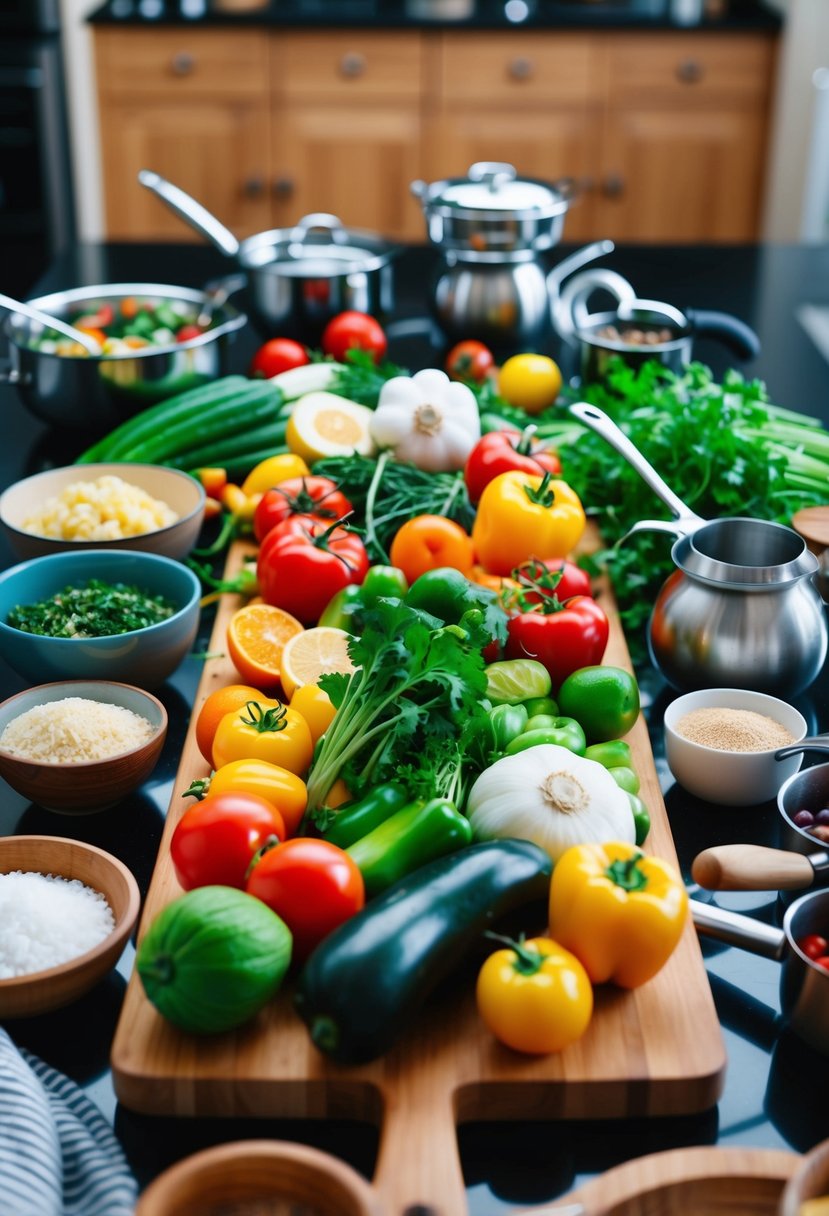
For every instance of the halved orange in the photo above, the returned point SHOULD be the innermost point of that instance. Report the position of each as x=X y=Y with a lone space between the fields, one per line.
x=256 y=637
x=312 y=653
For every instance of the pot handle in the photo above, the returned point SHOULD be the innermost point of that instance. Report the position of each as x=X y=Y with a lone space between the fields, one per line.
x=740 y=338
x=570 y=310
x=738 y=930
x=193 y=213
x=752 y=867
x=318 y=219
x=685 y=520
x=815 y=743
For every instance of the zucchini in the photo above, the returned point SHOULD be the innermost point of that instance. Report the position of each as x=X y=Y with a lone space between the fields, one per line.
x=364 y=983
x=310 y=378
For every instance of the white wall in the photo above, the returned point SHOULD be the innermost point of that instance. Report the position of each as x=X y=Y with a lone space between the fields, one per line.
x=79 y=67
x=805 y=47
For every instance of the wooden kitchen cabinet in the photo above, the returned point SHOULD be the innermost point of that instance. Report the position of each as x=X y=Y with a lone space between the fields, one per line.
x=664 y=132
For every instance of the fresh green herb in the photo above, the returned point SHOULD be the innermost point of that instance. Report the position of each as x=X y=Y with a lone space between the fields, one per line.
x=724 y=448
x=94 y=610
x=417 y=681
x=385 y=494
x=361 y=379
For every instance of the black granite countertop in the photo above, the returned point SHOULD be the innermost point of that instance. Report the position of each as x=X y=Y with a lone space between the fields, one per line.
x=722 y=15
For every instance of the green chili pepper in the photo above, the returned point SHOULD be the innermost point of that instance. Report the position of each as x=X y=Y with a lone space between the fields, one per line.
x=356 y=819
x=566 y=733
x=614 y=753
x=410 y=838
x=508 y=721
x=625 y=778
x=641 y=817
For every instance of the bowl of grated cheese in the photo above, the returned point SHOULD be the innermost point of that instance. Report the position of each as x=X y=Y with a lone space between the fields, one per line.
x=144 y=507
x=80 y=746
x=66 y=912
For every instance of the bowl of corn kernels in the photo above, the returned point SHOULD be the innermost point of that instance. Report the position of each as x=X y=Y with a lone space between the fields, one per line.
x=103 y=506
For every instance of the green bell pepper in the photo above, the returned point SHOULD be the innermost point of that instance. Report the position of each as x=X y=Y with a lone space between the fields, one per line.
x=565 y=733
x=614 y=753
x=625 y=778
x=356 y=819
x=641 y=817
x=448 y=594
x=344 y=610
x=508 y=721
x=383 y=582
x=410 y=838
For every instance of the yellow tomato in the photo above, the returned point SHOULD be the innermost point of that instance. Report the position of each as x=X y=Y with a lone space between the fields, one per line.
x=315 y=707
x=282 y=788
x=274 y=733
x=535 y=996
x=530 y=382
x=271 y=471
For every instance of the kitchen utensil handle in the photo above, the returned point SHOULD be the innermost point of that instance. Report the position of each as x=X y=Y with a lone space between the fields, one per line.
x=815 y=743
x=751 y=867
x=332 y=224
x=34 y=314
x=737 y=930
x=193 y=213
x=740 y=338
x=594 y=418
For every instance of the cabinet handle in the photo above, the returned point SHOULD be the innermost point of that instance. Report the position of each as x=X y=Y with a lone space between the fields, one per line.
x=613 y=185
x=353 y=65
x=183 y=63
x=521 y=68
x=283 y=187
x=690 y=71
x=253 y=187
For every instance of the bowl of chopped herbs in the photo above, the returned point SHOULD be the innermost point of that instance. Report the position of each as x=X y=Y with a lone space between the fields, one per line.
x=113 y=614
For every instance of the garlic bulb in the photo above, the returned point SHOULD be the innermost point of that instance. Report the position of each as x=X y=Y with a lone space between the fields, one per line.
x=427 y=420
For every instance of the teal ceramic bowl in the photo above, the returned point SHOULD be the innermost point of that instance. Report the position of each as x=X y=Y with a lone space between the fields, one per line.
x=144 y=657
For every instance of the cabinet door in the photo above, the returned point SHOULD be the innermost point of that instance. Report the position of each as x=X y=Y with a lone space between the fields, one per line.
x=354 y=162
x=682 y=175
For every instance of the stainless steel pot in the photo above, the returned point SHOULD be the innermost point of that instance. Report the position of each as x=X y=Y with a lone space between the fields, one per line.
x=93 y=393
x=807 y=788
x=741 y=609
x=663 y=332
x=297 y=278
x=804 y=987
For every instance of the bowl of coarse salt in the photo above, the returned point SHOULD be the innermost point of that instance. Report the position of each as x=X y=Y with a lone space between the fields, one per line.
x=66 y=912
x=80 y=746
x=720 y=744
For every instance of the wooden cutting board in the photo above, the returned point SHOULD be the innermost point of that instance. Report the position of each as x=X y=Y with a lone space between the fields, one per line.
x=655 y=1051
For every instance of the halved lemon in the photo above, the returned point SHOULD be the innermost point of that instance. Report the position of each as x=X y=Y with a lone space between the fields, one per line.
x=312 y=653
x=323 y=424
x=256 y=637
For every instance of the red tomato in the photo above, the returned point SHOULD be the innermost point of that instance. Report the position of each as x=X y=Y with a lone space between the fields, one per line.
x=822 y=961
x=187 y=332
x=813 y=946
x=303 y=563
x=554 y=577
x=564 y=639
x=353 y=330
x=215 y=840
x=313 y=885
x=104 y=316
x=317 y=496
x=278 y=355
x=469 y=360
x=502 y=452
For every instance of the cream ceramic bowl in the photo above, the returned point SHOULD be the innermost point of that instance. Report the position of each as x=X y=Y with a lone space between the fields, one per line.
x=731 y=778
x=178 y=490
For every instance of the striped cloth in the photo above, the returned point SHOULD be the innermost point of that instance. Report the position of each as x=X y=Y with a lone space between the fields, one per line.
x=58 y=1155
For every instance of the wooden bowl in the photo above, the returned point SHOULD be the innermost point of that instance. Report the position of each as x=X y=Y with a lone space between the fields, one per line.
x=287 y=1179
x=810 y=1180
x=42 y=991
x=87 y=786
x=689 y=1182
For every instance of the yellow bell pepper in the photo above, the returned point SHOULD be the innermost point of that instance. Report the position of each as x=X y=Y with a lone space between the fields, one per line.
x=522 y=516
x=273 y=469
x=619 y=911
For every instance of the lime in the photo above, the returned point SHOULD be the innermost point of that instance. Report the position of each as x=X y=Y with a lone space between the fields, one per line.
x=604 y=701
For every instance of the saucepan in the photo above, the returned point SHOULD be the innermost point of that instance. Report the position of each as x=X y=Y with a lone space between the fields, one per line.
x=639 y=330
x=804 y=986
x=297 y=278
x=741 y=609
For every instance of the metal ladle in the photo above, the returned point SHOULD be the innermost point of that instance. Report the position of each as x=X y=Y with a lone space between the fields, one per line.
x=63 y=327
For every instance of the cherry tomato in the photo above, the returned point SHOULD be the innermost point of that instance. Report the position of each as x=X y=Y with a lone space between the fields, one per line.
x=104 y=316
x=813 y=946
x=428 y=542
x=555 y=578
x=264 y=730
x=317 y=496
x=303 y=563
x=530 y=382
x=313 y=885
x=187 y=332
x=278 y=355
x=469 y=360
x=353 y=330
x=215 y=841
x=822 y=961
x=218 y=703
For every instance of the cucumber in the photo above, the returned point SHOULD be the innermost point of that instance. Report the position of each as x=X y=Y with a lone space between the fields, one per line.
x=213 y=958
x=364 y=983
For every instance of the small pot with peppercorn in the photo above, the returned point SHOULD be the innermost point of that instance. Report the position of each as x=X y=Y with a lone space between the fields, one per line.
x=802 y=947
x=803 y=803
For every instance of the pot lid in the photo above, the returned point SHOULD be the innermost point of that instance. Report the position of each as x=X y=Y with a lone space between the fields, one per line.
x=496 y=187
x=319 y=246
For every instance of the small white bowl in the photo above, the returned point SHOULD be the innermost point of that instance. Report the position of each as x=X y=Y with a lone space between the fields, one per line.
x=731 y=778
